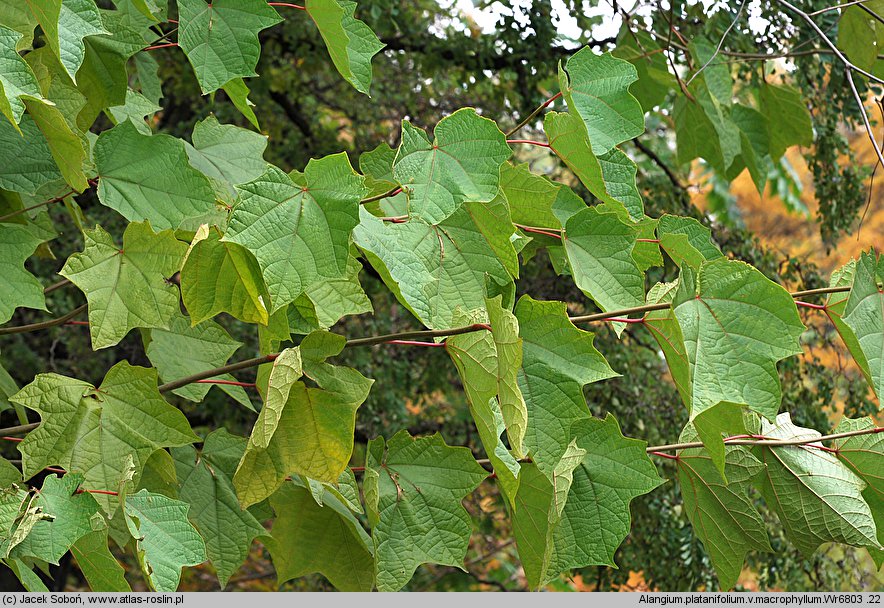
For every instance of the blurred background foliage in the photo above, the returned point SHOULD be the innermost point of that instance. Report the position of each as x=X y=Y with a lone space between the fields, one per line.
x=437 y=59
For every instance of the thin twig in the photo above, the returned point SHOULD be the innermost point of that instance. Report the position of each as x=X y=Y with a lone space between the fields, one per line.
x=58 y=285
x=387 y=194
x=531 y=116
x=18 y=212
x=659 y=162
x=828 y=42
x=23 y=329
x=836 y=7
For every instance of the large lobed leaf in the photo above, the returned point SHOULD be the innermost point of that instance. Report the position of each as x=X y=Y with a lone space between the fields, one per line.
x=414 y=496
x=124 y=419
x=126 y=287
x=298 y=227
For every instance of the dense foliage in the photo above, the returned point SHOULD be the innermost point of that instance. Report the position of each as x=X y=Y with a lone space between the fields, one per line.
x=201 y=238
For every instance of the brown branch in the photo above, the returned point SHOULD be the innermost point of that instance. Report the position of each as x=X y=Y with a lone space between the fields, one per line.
x=659 y=162
x=23 y=329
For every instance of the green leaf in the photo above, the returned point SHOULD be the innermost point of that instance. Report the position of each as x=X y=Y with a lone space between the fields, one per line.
x=733 y=318
x=238 y=93
x=101 y=569
x=287 y=369
x=703 y=128
x=558 y=359
x=488 y=363
x=19 y=513
x=328 y=539
x=655 y=80
x=103 y=77
x=228 y=530
x=567 y=138
x=835 y=305
x=71 y=515
x=27 y=577
x=299 y=227
x=207 y=346
x=94 y=431
x=864 y=455
x=717 y=75
x=140 y=294
x=601 y=477
x=754 y=146
x=788 y=120
x=686 y=240
x=313 y=434
x=334 y=299
x=864 y=315
x=667 y=332
x=138 y=110
x=614 y=470
x=17 y=15
x=817 y=498
x=66 y=23
x=148 y=178
x=599 y=247
x=20 y=288
x=377 y=166
x=461 y=164
x=166 y=540
x=222 y=277
x=420 y=483
x=596 y=88
x=530 y=196
x=857 y=35
x=159 y=475
x=351 y=44
x=221 y=39
x=228 y=155
x=432 y=270
x=619 y=173
x=31 y=172
x=68 y=149
x=9 y=474
x=723 y=516
x=16 y=77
